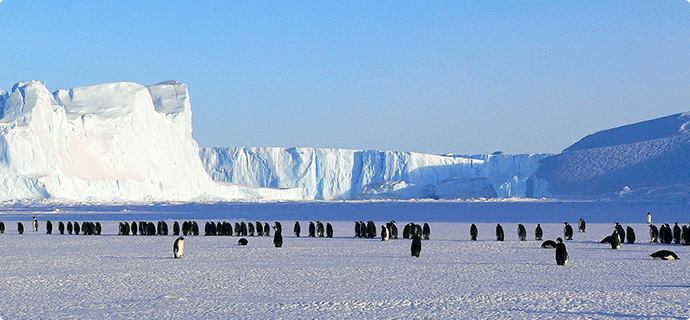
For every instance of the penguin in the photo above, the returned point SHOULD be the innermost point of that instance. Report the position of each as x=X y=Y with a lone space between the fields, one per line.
x=312 y=229
x=134 y=228
x=668 y=234
x=416 y=247
x=98 y=228
x=20 y=228
x=208 y=229
x=259 y=229
x=426 y=231
x=227 y=228
x=243 y=228
x=473 y=232
x=499 y=232
x=2 y=227
x=69 y=227
x=186 y=226
x=250 y=229
x=49 y=227
x=664 y=255
x=384 y=233
x=363 y=229
x=522 y=233
x=406 y=231
x=76 y=227
x=393 y=230
x=35 y=224
x=615 y=240
x=621 y=232
x=561 y=253
x=649 y=218
x=581 y=226
x=676 y=233
x=297 y=229
x=357 y=232
x=319 y=229
x=195 y=228
x=61 y=227
x=178 y=247
x=549 y=244
x=279 y=226
x=653 y=234
x=242 y=242
x=686 y=235
x=277 y=237
x=267 y=230
x=567 y=231
x=329 y=230
x=150 y=229
x=630 y=235
x=371 y=229
x=176 y=228
x=538 y=233
x=159 y=228
x=164 y=228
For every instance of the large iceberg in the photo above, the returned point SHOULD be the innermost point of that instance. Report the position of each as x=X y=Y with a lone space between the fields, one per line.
x=368 y=174
x=113 y=142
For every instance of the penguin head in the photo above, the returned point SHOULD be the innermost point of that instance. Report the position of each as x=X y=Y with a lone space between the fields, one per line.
x=565 y=223
x=559 y=240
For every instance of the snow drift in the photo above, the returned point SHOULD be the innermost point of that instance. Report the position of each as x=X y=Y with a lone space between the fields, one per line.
x=108 y=142
x=368 y=174
x=650 y=159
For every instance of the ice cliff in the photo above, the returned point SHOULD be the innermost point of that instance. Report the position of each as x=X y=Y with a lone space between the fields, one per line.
x=106 y=143
x=366 y=174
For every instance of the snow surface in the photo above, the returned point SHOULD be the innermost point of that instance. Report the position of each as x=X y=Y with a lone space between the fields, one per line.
x=135 y=277
x=114 y=142
x=369 y=174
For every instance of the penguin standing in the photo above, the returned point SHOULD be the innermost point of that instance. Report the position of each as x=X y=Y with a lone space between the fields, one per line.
x=329 y=230
x=279 y=227
x=267 y=230
x=538 y=233
x=567 y=231
x=35 y=224
x=134 y=228
x=319 y=229
x=61 y=227
x=393 y=229
x=426 y=231
x=297 y=229
x=649 y=218
x=312 y=229
x=176 y=229
x=676 y=233
x=615 y=240
x=277 y=237
x=653 y=234
x=499 y=232
x=76 y=227
x=49 y=227
x=2 y=227
x=69 y=227
x=357 y=231
x=250 y=229
x=178 y=247
x=473 y=232
x=384 y=233
x=406 y=231
x=20 y=228
x=416 y=247
x=259 y=229
x=561 y=253
x=522 y=232
x=621 y=232
x=581 y=226
x=630 y=235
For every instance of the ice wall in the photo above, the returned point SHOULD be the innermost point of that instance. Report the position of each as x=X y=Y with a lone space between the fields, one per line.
x=104 y=143
x=365 y=174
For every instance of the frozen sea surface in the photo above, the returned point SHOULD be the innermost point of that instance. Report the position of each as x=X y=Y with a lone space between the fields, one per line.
x=135 y=277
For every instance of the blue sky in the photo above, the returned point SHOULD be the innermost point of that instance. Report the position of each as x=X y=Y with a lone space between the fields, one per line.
x=425 y=76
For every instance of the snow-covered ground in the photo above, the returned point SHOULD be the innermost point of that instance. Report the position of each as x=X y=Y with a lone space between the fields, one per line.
x=135 y=277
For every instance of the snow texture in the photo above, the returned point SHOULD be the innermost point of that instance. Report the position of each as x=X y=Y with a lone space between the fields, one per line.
x=369 y=174
x=106 y=143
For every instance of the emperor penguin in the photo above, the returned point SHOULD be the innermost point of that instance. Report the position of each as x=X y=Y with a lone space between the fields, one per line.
x=393 y=229
x=279 y=227
x=320 y=229
x=384 y=233
x=621 y=232
x=176 y=228
x=134 y=228
x=2 y=227
x=195 y=228
x=69 y=227
x=522 y=232
x=426 y=231
x=538 y=233
x=416 y=247
x=35 y=224
x=49 y=227
x=581 y=226
x=630 y=235
x=20 y=228
x=357 y=232
x=329 y=230
x=664 y=255
x=499 y=232
x=653 y=234
x=676 y=233
x=549 y=244
x=61 y=227
x=297 y=229
x=250 y=229
x=76 y=227
x=561 y=253
x=615 y=240
x=242 y=242
x=649 y=218
x=568 y=231
x=277 y=237
x=267 y=230
x=312 y=229
x=259 y=229
x=473 y=232
x=178 y=247
x=406 y=231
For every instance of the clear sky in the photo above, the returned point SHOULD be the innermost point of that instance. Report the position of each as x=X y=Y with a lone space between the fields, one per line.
x=427 y=76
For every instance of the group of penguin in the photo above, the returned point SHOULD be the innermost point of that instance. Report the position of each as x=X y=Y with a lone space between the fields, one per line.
x=86 y=228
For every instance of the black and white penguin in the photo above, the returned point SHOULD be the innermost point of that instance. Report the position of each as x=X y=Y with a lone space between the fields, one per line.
x=176 y=228
x=35 y=224
x=621 y=232
x=561 y=253
x=195 y=228
x=242 y=242
x=549 y=244
x=357 y=232
x=393 y=229
x=164 y=228
x=61 y=227
x=664 y=255
x=297 y=229
x=244 y=231
x=499 y=232
x=134 y=228
x=676 y=233
x=522 y=232
x=208 y=229
x=277 y=237
x=279 y=226
x=259 y=229
x=473 y=232
x=150 y=229
x=20 y=228
x=320 y=229
x=630 y=235
x=567 y=231
x=653 y=234
x=581 y=226
x=668 y=234
x=49 y=227
x=178 y=247
x=406 y=231
x=312 y=229
x=238 y=229
x=384 y=233
x=686 y=235
x=426 y=231
x=2 y=227
x=98 y=228
x=250 y=229
x=538 y=233
x=75 y=225
x=329 y=230
x=371 y=229
x=615 y=240
x=69 y=227
x=416 y=247
x=649 y=218
x=267 y=230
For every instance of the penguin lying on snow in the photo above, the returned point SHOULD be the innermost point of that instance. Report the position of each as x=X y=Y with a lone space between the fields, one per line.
x=242 y=242
x=664 y=255
x=549 y=244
